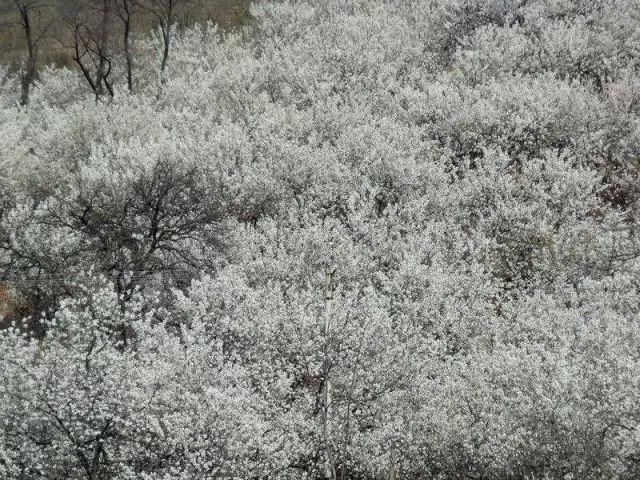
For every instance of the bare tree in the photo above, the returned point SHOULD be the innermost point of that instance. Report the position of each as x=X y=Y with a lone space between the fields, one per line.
x=164 y=12
x=27 y=10
x=90 y=22
x=125 y=10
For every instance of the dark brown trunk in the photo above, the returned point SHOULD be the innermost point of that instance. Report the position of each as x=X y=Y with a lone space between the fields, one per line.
x=166 y=25
x=127 y=53
x=29 y=71
x=103 y=45
x=166 y=37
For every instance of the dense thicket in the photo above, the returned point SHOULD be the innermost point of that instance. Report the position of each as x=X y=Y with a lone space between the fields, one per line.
x=359 y=239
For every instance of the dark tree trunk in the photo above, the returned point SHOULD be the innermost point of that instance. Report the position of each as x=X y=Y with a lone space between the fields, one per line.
x=166 y=37
x=127 y=54
x=29 y=71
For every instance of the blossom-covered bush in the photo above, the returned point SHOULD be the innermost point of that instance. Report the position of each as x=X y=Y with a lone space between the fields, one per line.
x=352 y=240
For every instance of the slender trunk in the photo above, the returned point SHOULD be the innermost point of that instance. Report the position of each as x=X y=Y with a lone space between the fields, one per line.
x=326 y=412
x=166 y=25
x=29 y=72
x=78 y=59
x=392 y=463
x=166 y=37
x=128 y=55
x=103 y=41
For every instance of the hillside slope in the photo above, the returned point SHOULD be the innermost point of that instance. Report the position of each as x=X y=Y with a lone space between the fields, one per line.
x=353 y=239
